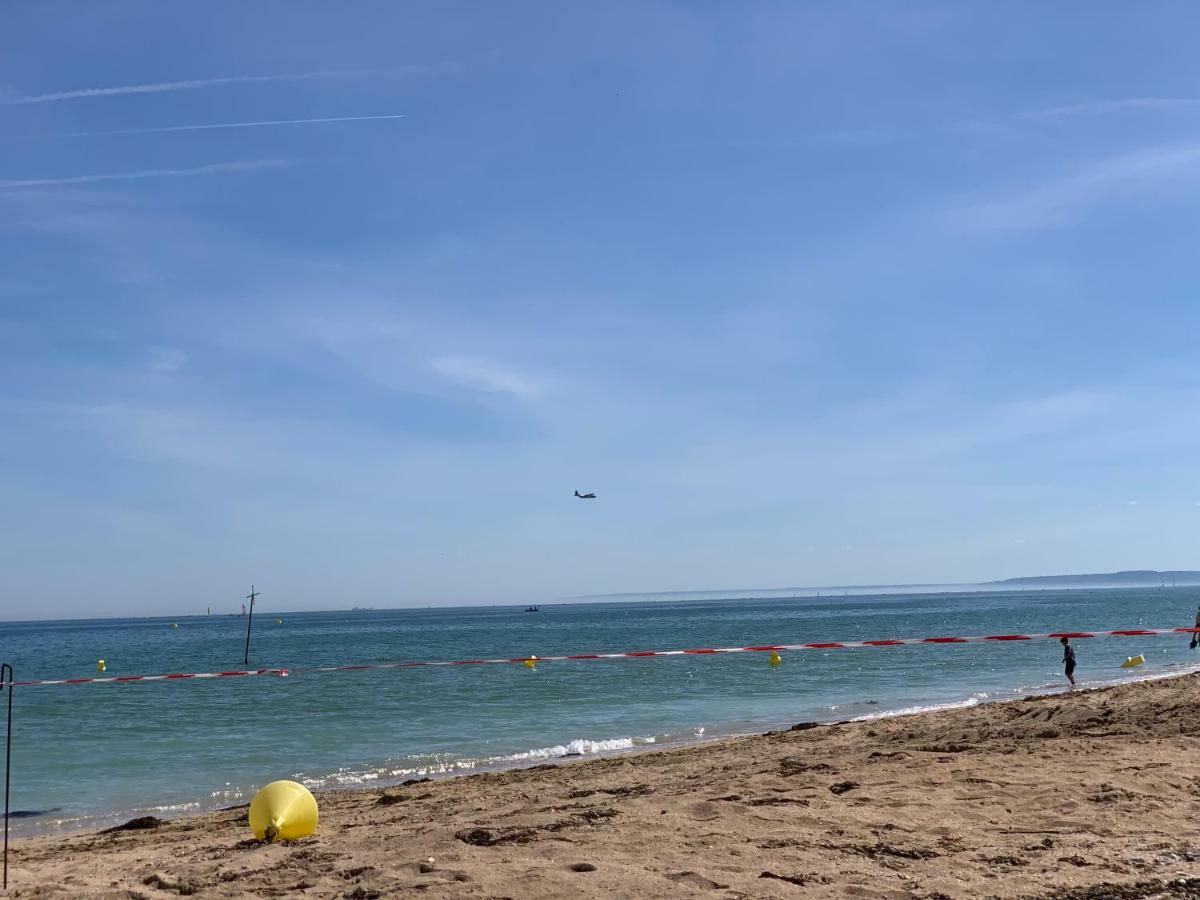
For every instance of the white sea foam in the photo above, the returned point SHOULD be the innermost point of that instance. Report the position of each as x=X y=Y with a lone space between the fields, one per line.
x=432 y=766
x=578 y=747
x=973 y=700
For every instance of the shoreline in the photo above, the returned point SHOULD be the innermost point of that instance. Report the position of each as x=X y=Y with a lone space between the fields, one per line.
x=527 y=759
x=1054 y=792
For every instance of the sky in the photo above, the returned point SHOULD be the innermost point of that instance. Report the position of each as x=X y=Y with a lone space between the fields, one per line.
x=346 y=300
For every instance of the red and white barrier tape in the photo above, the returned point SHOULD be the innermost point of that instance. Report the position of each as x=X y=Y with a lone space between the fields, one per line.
x=174 y=676
x=630 y=654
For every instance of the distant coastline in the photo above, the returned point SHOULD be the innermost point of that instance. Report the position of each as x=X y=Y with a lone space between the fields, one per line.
x=1131 y=578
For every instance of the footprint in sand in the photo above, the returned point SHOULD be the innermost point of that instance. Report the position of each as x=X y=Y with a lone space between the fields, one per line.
x=696 y=880
x=703 y=811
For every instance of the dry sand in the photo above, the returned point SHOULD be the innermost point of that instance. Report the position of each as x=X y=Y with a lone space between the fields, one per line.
x=1090 y=795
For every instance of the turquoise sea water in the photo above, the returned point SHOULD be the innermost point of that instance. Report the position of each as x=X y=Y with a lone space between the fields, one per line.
x=97 y=754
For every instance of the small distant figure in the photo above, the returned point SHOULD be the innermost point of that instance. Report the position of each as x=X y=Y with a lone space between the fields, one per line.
x=593 y=497
x=1068 y=660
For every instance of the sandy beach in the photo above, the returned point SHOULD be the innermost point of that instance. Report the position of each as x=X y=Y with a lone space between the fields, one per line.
x=1091 y=795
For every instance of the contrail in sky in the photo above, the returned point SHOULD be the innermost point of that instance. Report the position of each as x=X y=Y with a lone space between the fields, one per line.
x=164 y=86
x=1112 y=106
x=212 y=169
x=270 y=123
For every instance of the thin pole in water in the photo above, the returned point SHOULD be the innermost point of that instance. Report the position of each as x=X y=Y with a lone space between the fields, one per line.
x=6 y=668
x=253 y=593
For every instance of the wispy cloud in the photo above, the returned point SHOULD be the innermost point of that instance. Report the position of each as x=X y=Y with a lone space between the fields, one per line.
x=1061 y=201
x=481 y=374
x=165 y=360
x=160 y=87
x=212 y=169
x=1107 y=107
x=269 y=123
x=419 y=350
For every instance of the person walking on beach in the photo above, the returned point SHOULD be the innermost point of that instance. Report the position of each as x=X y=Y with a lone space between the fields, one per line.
x=1195 y=636
x=1068 y=660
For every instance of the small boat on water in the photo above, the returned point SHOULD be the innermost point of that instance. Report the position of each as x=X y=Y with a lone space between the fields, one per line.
x=532 y=609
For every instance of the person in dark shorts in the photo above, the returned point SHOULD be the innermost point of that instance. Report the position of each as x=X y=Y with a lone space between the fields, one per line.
x=1195 y=636
x=1068 y=659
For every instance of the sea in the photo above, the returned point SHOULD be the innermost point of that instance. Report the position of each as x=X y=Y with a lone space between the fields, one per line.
x=94 y=755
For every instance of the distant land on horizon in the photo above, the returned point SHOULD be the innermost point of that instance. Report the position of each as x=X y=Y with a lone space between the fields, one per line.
x=1130 y=578
x=1126 y=578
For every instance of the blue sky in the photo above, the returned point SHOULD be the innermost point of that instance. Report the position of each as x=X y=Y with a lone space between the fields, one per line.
x=809 y=294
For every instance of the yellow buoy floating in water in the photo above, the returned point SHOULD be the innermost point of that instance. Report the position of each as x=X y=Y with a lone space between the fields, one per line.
x=1133 y=662
x=531 y=662
x=283 y=811
x=99 y=665
x=279 y=621
x=174 y=624
x=776 y=659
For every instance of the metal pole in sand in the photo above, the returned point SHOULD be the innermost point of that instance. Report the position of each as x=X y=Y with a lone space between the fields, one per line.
x=249 y=597
x=6 y=668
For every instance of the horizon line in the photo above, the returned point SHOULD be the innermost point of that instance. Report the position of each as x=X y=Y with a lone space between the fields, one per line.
x=599 y=599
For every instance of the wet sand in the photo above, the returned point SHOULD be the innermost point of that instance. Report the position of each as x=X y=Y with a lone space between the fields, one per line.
x=1090 y=795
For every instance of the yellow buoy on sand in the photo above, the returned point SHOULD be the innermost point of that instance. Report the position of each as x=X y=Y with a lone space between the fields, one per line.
x=99 y=665
x=283 y=811
x=531 y=662
x=1133 y=662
